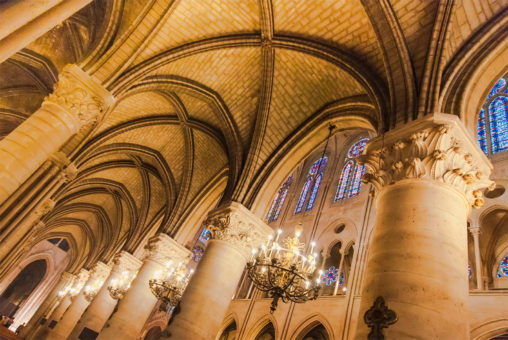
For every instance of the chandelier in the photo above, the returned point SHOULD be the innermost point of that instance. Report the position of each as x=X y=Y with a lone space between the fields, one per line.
x=91 y=290
x=74 y=290
x=119 y=286
x=168 y=285
x=284 y=271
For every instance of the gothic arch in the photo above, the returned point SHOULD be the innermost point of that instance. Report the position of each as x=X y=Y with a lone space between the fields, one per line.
x=228 y=320
x=489 y=329
x=308 y=324
x=260 y=324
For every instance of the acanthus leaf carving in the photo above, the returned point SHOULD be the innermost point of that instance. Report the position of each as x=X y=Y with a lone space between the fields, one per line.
x=433 y=153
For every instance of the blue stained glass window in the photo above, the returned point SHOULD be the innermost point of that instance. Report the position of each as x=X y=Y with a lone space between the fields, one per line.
x=303 y=195
x=502 y=271
x=330 y=276
x=278 y=201
x=469 y=273
x=344 y=178
x=197 y=253
x=497 y=87
x=357 y=148
x=350 y=181
x=314 y=192
x=357 y=181
x=205 y=236
x=482 y=133
x=498 y=114
x=341 y=279
x=492 y=126
x=314 y=179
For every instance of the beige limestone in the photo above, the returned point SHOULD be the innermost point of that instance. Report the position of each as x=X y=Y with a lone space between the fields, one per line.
x=137 y=304
x=235 y=232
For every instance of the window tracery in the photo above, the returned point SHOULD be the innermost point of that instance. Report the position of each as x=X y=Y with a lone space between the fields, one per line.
x=492 y=125
x=278 y=201
x=502 y=271
x=314 y=179
x=350 y=181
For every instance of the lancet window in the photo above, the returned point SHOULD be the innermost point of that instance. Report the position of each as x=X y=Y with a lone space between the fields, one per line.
x=492 y=126
x=278 y=201
x=312 y=184
x=350 y=181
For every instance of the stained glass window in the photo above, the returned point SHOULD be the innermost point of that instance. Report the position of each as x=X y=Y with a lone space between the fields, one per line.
x=343 y=182
x=278 y=201
x=502 y=271
x=469 y=272
x=492 y=126
x=205 y=236
x=330 y=276
x=350 y=181
x=314 y=178
x=197 y=253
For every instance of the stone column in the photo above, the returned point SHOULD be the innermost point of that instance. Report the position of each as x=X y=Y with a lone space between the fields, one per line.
x=43 y=332
x=26 y=20
x=475 y=231
x=134 y=309
x=103 y=304
x=49 y=304
x=235 y=232
x=76 y=100
x=427 y=175
x=79 y=303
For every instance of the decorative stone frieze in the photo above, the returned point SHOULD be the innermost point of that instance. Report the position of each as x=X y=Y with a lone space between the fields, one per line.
x=238 y=226
x=80 y=95
x=123 y=261
x=436 y=148
x=162 y=249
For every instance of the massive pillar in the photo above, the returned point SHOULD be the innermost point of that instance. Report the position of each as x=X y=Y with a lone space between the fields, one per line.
x=235 y=232
x=427 y=174
x=63 y=329
x=103 y=304
x=76 y=100
x=26 y=20
x=49 y=304
x=54 y=317
x=134 y=309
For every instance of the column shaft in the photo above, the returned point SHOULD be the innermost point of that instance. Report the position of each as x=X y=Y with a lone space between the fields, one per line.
x=213 y=284
x=477 y=256
x=417 y=262
x=28 y=25
x=136 y=306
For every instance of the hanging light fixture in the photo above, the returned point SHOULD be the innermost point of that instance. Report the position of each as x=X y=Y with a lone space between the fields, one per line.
x=91 y=290
x=284 y=271
x=169 y=284
x=119 y=286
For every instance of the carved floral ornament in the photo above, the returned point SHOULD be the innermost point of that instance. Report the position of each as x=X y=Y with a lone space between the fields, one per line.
x=77 y=93
x=162 y=249
x=236 y=229
x=124 y=261
x=433 y=153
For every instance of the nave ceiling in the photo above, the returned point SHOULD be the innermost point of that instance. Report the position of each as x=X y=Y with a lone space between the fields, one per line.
x=212 y=95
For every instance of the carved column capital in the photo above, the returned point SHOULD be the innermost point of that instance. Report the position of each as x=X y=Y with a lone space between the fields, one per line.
x=44 y=208
x=124 y=261
x=80 y=94
x=238 y=226
x=475 y=231
x=437 y=148
x=162 y=249
x=99 y=272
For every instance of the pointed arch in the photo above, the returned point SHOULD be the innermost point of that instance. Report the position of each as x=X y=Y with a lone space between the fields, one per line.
x=350 y=181
x=278 y=201
x=307 y=325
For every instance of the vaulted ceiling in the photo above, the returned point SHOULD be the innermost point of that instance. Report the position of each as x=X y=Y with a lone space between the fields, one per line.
x=210 y=92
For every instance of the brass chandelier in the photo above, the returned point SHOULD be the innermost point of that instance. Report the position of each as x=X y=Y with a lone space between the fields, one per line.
x=90 y=290
x=119 y=286
x=169 y=285
x=284 y=271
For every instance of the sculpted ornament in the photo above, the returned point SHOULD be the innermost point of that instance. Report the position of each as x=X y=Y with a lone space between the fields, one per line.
x=124 y=261
x=237 y=229
x=433 y=153
x=74 y=92
x=162 y=249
